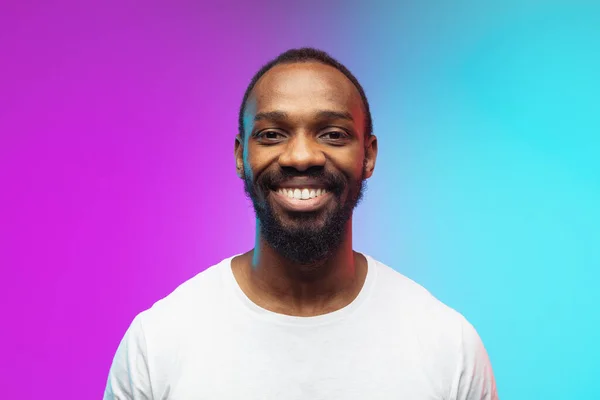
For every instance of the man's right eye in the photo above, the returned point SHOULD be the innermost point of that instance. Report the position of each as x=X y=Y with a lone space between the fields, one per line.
x=269 y=135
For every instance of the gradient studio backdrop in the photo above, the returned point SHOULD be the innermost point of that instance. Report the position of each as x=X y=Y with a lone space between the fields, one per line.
x=117 y=124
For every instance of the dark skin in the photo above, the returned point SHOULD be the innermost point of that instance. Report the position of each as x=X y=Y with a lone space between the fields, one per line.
x=310 y=115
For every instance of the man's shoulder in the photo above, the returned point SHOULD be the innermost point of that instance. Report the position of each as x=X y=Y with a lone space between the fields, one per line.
x=411 y=299
x=436 y=331
x=195 y=296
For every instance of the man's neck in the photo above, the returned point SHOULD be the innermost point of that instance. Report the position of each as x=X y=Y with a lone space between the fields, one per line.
x=277 y=284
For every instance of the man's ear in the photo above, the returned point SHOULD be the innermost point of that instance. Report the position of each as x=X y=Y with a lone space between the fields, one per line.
x=239 y=156
x=370 y=155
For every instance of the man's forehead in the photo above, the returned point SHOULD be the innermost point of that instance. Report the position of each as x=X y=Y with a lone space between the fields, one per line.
x=306 y=82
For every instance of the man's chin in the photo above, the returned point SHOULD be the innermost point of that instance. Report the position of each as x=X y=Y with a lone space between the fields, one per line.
x=302 y=245
x=301 y=221
x=296 y=231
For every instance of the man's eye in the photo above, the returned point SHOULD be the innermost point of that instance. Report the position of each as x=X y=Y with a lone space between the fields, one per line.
x=334 y=135
x=270 y=135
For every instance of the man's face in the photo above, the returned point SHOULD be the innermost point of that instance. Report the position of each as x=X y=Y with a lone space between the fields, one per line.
x=304 y=157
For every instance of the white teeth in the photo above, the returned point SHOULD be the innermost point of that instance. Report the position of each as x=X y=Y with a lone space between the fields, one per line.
x=302 y=194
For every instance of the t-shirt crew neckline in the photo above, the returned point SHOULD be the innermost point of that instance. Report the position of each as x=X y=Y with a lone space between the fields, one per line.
x=282 y=319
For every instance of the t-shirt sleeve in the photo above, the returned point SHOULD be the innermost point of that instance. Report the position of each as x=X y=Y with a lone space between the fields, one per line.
x=128 y=378
x=476 y=379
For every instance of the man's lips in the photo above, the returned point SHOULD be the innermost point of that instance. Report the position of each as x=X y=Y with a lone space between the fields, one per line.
x=288 y=198
x=300 y=182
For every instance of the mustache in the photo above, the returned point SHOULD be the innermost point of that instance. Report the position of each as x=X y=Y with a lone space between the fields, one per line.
x=333 y=182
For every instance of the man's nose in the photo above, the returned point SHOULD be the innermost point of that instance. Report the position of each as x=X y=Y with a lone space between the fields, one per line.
x=302 y=153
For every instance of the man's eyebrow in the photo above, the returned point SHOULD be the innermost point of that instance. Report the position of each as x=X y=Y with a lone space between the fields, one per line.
x=280 y=115
x=270 y=115
x=335 y=115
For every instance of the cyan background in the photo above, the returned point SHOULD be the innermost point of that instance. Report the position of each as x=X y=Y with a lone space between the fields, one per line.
x=117 y=124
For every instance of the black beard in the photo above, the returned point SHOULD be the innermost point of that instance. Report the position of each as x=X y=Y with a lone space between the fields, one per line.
x=305 y=244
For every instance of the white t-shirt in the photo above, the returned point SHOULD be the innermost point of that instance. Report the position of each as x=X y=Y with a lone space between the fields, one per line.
x=208 y=341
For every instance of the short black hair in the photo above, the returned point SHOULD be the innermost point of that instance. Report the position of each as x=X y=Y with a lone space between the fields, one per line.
x=306 y=54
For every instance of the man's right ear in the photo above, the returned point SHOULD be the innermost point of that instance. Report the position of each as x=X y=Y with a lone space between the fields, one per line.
x=239 y=156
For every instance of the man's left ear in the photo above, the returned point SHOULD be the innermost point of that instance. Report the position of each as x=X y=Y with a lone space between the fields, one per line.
x=370 y=155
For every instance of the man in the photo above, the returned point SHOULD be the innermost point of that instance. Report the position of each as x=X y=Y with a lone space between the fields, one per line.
x=302 y=315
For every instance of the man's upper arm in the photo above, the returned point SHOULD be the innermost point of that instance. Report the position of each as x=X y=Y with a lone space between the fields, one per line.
x=128 y=378
x=476 y=379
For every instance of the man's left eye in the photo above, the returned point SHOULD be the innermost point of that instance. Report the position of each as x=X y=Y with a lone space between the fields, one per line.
x=334 y=135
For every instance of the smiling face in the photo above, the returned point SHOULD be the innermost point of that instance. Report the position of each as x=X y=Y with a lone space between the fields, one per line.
x=304 y=157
